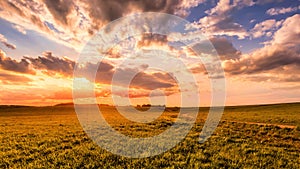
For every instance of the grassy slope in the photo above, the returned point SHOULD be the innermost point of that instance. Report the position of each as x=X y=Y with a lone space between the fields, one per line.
x=51 y=137
x=288 y=113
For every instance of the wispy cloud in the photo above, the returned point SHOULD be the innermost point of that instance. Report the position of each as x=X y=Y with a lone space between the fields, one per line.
x=20 y=29
x=279 y=11
x=12 y=79
x=3 y=40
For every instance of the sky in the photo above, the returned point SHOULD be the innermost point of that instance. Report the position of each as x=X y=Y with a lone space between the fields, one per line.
x=41 y=42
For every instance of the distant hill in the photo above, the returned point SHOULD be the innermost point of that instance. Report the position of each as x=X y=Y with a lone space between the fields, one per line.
x=72 y=104
x=65 y=104
x=13 y=106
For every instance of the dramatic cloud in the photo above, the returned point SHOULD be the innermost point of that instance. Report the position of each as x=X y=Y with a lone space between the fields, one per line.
x=47 y=78
x=289 y=33
x=265 y=28
x=52 y=65
x=29 y=13
x=7 y=63
x=73 y=22
x=263 y=60
x=101 y=11
x=278 y=11
x=60 y=9
x=219 y=20
x=4 y=41
x=281 y=56
x=56 y=66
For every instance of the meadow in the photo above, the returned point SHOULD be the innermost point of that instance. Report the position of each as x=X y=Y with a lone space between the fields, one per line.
x=263 y=136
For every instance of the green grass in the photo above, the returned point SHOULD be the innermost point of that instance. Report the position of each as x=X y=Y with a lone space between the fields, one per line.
x=287 y=114
x=51 y=137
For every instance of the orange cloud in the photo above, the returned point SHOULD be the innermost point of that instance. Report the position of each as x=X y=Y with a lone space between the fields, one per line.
x=150 y=39
x=12 y=79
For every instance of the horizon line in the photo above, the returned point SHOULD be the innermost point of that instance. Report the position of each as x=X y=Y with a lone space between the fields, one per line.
x=71 y=103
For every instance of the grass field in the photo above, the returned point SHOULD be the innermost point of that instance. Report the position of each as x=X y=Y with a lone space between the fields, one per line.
x=266 y=136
